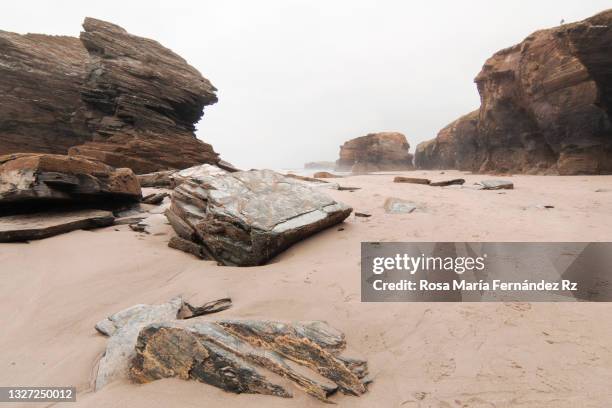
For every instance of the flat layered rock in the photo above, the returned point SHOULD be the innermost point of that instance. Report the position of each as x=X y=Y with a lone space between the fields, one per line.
x=173 y=178
x=40 y=179
x=245 y=218
x=411 y=180
x=26 y=227
x=325 y=174
x=444 y=183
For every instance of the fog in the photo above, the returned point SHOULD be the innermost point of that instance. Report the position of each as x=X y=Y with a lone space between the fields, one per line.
x=298 y=78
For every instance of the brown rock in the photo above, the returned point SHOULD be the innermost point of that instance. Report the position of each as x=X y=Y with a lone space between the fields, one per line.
x=444 y=183
x=412 y=180
x=155 y=198
x=188 y=246
x=545 y=108
x=382 y=151
x=40 y=180
x=109 y=95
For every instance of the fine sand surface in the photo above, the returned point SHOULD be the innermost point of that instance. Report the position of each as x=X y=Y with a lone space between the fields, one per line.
x=53 y=291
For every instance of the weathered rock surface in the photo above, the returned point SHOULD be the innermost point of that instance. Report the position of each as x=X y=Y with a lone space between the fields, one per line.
x=545 y=107
x=155 y=198
x=40 y=180
x=26 y=227
x=398 y=206
x=123 y=328
x=150 y=342
x=109 y=95
x=382 y=151
x=246 y=218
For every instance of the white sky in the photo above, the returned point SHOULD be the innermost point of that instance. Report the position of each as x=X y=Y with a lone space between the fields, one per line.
x=298 y=78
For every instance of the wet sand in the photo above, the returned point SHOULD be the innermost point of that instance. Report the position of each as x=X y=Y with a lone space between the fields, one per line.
x=420 y=354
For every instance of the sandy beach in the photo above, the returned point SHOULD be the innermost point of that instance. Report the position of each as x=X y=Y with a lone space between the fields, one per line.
x=420 y=354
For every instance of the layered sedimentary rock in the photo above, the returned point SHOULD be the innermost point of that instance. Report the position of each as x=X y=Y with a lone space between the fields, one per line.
x=245 y=218
x=34 y=181
x=375 y=152
x=151 y=342
x=545 y=107
x=123 y=99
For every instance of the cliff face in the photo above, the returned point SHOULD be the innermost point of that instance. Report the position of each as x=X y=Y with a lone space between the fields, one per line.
x=119 y=98
x=375 y=152
x=545 y=107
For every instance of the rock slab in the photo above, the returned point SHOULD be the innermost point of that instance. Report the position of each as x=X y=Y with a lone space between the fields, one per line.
x=26 y=227
x=245 y=218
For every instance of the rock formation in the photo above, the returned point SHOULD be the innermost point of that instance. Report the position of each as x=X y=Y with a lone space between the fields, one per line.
x=382 y=151
x=151 y=342
x=109 y=95
x=39 y=181
x=545 y=107
x=245 y=218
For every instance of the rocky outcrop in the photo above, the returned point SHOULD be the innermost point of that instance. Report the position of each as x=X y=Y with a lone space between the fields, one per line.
x=151 y=342
x=545 y=107
x=382 y=151
x=40 y=181
x=245 y=218
x=116 y=97
x=123 y=328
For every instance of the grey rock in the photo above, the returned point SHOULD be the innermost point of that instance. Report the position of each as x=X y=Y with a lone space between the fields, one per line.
x=174 y=178
x=245 y=218
x=123 y=328
x=25 y=227
x=496 y=185
x=399 y=206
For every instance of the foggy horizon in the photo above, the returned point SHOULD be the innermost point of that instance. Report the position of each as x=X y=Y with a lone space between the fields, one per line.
x=297 y=79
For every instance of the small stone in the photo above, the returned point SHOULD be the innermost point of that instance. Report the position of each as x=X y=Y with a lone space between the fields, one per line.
x=497 y=185
x=155 y=198
x=325 y=174
x=362 y=214
x=399 y=206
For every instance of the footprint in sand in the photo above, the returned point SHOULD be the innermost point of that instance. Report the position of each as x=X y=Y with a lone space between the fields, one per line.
x=440 y=369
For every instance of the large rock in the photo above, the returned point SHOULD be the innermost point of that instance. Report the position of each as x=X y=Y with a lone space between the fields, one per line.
x=245 y=218
x=38 y=181
x=150 y=342
x=545 y=107
x=382 y=151
x=123 y=99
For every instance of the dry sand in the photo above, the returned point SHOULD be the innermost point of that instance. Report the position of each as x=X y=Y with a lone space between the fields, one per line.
x=420 y=354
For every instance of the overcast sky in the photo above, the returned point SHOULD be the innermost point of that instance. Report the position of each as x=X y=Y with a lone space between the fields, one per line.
x=298 y=78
